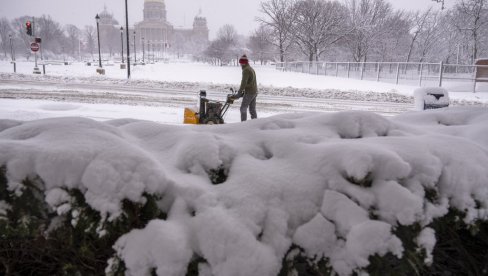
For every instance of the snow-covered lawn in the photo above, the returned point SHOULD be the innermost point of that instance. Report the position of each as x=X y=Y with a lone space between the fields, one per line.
x=205 y=74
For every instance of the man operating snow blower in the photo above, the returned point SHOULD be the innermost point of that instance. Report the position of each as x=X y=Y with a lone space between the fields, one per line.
x=213 y=112
x=248 y=89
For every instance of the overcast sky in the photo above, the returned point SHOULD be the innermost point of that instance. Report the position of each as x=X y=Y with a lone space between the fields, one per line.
x=180 y=13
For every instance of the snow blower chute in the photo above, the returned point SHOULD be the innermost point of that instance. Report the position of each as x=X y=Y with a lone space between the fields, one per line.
x=210 y=112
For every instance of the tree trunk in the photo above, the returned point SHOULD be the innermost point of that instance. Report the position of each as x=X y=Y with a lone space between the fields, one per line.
x=282 y=53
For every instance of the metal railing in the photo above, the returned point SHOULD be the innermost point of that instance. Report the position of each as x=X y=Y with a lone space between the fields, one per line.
x=411 y=72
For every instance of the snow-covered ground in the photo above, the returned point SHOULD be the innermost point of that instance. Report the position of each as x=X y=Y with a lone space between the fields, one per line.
x=157 y=92
x=335 y=184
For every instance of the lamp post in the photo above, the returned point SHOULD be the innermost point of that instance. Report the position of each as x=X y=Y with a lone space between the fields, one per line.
x=143 y=54
x=12 y=53
x=148 y=52
x=127 y=37
x=100 y=70
x=135 y=53
x=122 y=65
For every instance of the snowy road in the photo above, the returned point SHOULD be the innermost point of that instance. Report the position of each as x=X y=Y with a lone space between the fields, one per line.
x=121 y=94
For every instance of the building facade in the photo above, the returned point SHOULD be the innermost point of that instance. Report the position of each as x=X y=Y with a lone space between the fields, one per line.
x=157 y=36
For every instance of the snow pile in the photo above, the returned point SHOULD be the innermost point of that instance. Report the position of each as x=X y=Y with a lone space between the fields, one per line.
x=273 y=88
x=334 y=185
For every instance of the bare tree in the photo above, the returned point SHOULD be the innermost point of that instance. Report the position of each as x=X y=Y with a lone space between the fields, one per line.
x=73 y=38
x=471 y=16
x=90 y=34
x=280 y=16
x=418 y=25
x=394 y=42
x=5 y=31
x=259 y=44
x=51 y=34
x=430 y=35
x=449 y=41
x=224 y=48
x=369 y=19
x=319 y=25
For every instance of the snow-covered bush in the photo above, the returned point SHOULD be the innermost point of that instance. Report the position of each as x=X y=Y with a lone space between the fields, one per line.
x=297 y=194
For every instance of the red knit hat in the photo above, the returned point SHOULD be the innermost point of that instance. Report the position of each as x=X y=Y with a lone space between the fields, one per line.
x=243 y=60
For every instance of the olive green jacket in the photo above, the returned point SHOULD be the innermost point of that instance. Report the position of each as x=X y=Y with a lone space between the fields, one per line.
x=248 y=83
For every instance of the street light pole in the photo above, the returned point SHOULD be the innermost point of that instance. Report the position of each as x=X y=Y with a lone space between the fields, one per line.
x=127 y=37
x=12 y=53
x=135 y=53
x=122 y=65
x=148 y=51
x=100 y=70
x=143 y=54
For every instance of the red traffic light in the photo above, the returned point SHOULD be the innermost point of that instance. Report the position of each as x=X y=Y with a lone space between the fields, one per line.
x=28 y=27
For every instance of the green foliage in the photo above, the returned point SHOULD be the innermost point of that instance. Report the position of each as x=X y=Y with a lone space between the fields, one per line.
x=296 y=263
x=461 y=249
x=192 y=269
x=366 y=182
x=218 y=175
x=35 y=240
x=73 y=245
x=412 y=262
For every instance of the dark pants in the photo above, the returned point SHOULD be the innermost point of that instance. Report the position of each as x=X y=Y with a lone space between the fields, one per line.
x=248 y=101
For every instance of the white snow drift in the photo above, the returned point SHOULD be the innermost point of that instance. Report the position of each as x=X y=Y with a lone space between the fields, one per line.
x=335 y=185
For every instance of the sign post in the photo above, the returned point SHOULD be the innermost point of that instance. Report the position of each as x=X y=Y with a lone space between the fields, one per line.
x=34 y=48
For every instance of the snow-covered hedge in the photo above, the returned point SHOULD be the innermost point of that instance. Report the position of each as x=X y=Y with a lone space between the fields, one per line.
x=345 y=193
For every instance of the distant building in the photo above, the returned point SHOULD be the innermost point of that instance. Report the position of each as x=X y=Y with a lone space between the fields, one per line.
x=158 y=35
x=154 y=35
x=109 y=34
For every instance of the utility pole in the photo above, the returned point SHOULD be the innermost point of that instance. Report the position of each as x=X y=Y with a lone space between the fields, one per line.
x=127 y=37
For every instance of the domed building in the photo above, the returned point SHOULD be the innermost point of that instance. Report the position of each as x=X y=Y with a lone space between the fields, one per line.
x=158 y=36
x=110 y=42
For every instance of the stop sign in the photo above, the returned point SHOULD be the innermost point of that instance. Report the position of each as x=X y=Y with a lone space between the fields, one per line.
x=34 y=47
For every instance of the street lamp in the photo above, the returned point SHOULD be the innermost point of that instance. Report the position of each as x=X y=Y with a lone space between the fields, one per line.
x=122 y=65
x=100 y=70
x=127 y=37
x=149 y=52
x=143 y=54
x=135 y=53
x=12 y=53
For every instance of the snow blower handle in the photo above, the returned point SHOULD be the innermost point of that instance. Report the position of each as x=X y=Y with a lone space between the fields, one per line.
x=233 y=96
x=237 y=94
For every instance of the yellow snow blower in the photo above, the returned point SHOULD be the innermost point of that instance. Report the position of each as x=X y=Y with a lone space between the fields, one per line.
x=210 y=112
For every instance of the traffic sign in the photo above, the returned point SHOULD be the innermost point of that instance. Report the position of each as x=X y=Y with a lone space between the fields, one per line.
x=34 y=47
